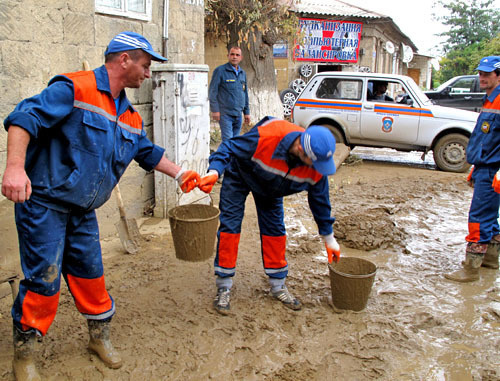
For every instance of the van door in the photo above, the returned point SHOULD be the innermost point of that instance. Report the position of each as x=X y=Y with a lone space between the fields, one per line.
x=388 y=113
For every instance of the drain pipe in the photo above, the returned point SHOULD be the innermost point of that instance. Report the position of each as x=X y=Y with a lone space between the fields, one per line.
x=166 y=8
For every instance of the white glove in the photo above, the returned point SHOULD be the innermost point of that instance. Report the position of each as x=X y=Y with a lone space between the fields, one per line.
x=332 y=247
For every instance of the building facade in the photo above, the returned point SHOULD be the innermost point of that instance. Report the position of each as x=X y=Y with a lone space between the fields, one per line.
x=40 y=39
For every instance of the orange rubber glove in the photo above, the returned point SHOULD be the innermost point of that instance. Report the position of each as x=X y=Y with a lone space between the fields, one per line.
x=496 y=182
x=208 y=181
x=469 y=177
x=187 y=180
x=332 y=248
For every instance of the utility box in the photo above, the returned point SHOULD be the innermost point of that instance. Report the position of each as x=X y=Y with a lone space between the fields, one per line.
x=181 y=124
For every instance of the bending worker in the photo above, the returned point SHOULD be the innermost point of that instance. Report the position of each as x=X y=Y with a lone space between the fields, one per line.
x=272 y=160
x=483 y=151
x=67 y=148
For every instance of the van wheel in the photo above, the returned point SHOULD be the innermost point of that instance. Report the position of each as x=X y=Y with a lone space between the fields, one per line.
x=337 y=134
x=450 y=153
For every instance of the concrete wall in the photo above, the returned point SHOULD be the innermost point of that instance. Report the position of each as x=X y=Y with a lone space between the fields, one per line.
x=39 y=39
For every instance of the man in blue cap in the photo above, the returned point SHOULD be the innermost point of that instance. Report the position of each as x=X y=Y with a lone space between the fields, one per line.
x=67 y=149
x=483 y=152
x=274 y=159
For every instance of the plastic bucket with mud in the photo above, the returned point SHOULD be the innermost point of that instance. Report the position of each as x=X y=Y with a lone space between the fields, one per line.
x=351 y=281
x=194 y=229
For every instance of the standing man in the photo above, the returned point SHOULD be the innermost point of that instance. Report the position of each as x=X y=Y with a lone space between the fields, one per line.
x=274 y=159
x=228 y=94
x=483 y=151
x=67 y=148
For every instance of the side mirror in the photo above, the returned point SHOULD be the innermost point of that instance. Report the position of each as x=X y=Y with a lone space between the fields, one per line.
x=447 y=90
x=409 y=101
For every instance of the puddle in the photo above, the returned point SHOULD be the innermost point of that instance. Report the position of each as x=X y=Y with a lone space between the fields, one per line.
x=439 y=330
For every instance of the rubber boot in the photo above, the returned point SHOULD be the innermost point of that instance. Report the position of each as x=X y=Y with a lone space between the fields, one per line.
x=24 y=351
x=101 y=345
x=490 y=259
x=470 y=272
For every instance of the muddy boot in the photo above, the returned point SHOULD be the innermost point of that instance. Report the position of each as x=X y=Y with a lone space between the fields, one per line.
x=24 y=351
x=470 y=272
x=101 y=345
x=490 y=259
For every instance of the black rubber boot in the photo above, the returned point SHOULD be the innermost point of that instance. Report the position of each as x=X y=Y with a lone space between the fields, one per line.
x=24 y=352
x=101 y=345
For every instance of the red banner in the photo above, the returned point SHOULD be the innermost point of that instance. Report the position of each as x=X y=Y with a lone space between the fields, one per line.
x=328 y=40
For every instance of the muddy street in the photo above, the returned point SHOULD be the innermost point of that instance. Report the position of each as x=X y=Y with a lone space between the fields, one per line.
x=410 y=220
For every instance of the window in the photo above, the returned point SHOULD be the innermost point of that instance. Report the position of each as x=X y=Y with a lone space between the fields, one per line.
x=464 y=85
x=386 y=91
x=136 y=9
x=339 y=88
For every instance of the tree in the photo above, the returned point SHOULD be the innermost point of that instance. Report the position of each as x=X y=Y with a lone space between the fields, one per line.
x=254 y=26
x=474 y=32
x=470 y=22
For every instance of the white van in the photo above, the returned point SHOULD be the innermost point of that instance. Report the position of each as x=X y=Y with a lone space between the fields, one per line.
x=403 y=119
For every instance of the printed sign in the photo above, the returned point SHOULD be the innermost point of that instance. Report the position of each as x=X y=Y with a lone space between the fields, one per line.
x=280 y=50
x=328 y=40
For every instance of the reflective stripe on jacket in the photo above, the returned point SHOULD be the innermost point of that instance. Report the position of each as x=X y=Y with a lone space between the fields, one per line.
x=80 y=145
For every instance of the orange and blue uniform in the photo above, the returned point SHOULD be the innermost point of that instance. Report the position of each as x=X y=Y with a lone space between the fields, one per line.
x=483 y=152
x=79 y=148
x=259 y=162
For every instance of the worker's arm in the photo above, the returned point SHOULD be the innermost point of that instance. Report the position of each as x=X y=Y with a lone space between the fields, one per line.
x=16 y=185
x=188 y=180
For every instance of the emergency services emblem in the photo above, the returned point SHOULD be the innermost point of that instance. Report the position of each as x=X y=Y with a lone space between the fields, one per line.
x=485 y=127
x=387 y=124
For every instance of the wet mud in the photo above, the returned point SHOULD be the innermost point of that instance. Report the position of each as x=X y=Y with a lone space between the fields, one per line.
x=410 y=222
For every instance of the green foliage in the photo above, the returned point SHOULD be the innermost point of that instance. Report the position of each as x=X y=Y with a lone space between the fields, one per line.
x=237 y=20
x=469 y=21
x=461 y=61
x=474 y=32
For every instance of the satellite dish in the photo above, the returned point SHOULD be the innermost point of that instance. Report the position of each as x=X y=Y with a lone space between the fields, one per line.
x=407 y=53
x=389 y=47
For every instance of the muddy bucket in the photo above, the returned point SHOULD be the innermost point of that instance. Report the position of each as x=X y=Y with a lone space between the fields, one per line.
x=351 y=280
x=194 y=228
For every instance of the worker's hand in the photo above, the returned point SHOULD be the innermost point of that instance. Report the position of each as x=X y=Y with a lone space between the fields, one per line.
x=247 y=119
x=496 y=182
x=16 y=185
x=216 y=116
x=208 y=181
x=332 y=248
x=469 y=177
x=188 y=180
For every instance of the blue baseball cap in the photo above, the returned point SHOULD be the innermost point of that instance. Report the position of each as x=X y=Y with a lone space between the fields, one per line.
x=319 y=145
x=132 y=41
x=488 y=64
